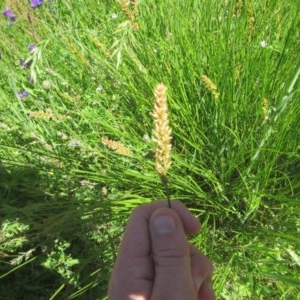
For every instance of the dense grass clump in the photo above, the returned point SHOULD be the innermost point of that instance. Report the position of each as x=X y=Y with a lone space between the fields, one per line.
x=76 y=89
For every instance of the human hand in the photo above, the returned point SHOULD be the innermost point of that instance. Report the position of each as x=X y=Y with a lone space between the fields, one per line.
x=155 y=261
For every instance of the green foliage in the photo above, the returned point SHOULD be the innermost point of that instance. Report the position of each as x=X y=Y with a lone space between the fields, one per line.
x=62 y=262
x=65 y=196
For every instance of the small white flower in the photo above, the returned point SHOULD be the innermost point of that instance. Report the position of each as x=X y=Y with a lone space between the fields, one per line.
x=84 y=183
x=114 y=16
x=104 y=191
x=47 y=84
x=99 y=88
x=4 y=126
x=263 y=44
x=74 y=143
x=146 y=137
x=117 y=84
x=87 y=184
x=62 y=135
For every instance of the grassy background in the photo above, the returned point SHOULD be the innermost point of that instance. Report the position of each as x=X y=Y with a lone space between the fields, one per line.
x=65 y=196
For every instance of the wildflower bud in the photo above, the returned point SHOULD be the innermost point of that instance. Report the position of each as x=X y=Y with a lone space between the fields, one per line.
x=47 y=84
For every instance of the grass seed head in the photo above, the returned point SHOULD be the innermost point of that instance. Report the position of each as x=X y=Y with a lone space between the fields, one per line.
x=162 y=131
x=265 y=109
x=118 y=147
x=250 y=19
x=48 y=115
x=238 y=7
x=210 y=86
x=130 y=14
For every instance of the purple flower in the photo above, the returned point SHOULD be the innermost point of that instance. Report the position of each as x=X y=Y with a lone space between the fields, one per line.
x=25 y=64
x=8 y=13
x=31 y=47
x=23 y=95
x=36 y=3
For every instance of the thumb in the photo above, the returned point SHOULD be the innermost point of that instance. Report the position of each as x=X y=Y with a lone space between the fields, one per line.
x=171 y=256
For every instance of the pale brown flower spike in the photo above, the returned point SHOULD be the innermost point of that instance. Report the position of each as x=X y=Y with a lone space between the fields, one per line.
x=130 y=14
x=118 y=147
x=210 y=86
x=162 y=136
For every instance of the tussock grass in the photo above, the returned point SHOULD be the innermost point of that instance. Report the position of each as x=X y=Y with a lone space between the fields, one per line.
x=232 y=72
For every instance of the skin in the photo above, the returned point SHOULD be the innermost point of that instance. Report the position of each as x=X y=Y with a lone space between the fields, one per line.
x=156 y=262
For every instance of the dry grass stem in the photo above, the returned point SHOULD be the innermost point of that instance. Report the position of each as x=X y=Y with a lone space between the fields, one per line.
x=118 y=147
x=162 y=131
x=211 y=87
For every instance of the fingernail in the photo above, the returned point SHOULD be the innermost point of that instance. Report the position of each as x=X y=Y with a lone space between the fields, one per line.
x=164 y=224
x=198 y=281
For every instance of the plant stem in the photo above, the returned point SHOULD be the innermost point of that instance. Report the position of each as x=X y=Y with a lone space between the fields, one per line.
x=164 y=181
